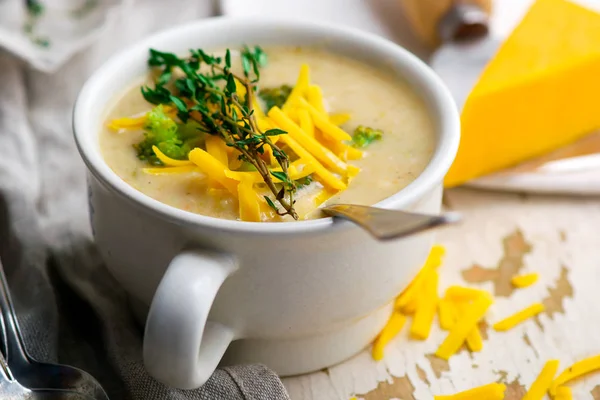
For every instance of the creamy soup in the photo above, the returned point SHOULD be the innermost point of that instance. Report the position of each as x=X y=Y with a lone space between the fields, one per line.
x=369 y=96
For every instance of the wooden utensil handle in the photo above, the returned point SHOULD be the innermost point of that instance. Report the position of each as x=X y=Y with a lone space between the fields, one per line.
x=424 y=16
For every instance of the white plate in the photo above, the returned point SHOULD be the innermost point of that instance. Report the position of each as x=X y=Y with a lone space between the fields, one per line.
x=384 y=17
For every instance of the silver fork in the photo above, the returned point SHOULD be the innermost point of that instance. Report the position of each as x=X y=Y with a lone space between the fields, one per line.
x=33 y=374
x=10 y=389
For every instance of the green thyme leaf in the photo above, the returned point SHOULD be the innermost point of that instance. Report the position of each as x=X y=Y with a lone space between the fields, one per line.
x=270 y=203
x=302 y=182
x=282 y=176
x=275 y=132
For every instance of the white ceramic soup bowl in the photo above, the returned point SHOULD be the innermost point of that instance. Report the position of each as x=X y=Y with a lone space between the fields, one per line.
x=296 y=296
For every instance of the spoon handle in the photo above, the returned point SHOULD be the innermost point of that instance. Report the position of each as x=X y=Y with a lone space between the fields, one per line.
x=11 y=340
x=389 y=224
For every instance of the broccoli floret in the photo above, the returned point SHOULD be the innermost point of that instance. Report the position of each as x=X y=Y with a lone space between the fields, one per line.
x=163 y=132
x=364 y=136
x=275 y=96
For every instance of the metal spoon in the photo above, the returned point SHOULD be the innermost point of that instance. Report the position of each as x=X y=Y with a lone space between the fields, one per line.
x=389 y=224
x=10 y=389
x=31 y=373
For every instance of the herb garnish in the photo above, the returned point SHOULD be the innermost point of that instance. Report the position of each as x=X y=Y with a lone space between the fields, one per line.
x=364 y=136
x=275 y=96
x=302 y=182
x=210 y=98
x=35 y=10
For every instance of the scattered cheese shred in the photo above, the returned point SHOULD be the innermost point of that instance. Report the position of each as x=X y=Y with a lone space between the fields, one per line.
x=213 y=168
x=170 y=170
x=461 y=293
x=249 y=202
x=428 y=303
x=392 y=328
x=575 y=371
x=326 y=176
x=322 y=122
x=136 y=123
x=523 y=281
x=306 y=123
x=325 y=157
x=217 y=148
x=324 y=195
x=433 y=261
x=133 y=123
x=447 y=314
x=540 y=386
x=563 y=393
x=339 y=119
x=299 y=89
x=314 y=95
x=474 y=340
x=168 y=161
x=519 y=317
x=492 y=391
x=343 y=151
x=463 y=326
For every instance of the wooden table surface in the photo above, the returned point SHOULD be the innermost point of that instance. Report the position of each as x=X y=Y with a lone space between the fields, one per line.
x=502 y=234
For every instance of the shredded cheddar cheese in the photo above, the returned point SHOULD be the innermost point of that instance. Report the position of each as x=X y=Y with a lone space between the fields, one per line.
x=314 y=96
x=523 y=281
x=474 y=340
x=463 y=326
x=409 y=295
x=519 y=317
x=306 y=123
x=213 y=168
x=492 y=391
x=217 y=148
x=133 y=123
x=326 y=176
x=428 y=303
x=325 y=157
x=249 y=202
x=170 y=162
x=461 y=293
x=576 y=370
x=339 y=119
x=322 y=122
x=392 y=328
x=299 y=89
x=447 y=314
x=136 y=122
x=540 y=386
x=324 y=195
x=563 y=393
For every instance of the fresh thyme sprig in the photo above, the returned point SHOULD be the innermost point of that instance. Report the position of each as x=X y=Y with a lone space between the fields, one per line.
x=210 y=97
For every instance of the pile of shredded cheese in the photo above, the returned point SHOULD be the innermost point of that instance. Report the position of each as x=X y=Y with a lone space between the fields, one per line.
x=460 y=311
x=313 y=135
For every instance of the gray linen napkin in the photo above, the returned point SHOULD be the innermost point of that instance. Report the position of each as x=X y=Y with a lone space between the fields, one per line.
x=69 y=308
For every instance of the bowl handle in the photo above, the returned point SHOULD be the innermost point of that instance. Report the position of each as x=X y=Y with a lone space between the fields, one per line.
x=181 y=348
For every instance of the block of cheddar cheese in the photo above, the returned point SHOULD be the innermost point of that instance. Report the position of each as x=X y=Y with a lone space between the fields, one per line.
x=540 y=91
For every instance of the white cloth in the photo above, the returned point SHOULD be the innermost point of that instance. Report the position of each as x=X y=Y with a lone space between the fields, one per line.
x=45 y=237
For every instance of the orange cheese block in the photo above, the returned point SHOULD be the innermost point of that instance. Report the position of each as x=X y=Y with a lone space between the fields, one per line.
x=541 y=91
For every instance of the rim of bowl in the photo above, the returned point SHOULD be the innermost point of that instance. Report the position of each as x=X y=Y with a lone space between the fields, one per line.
x=439 y=97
